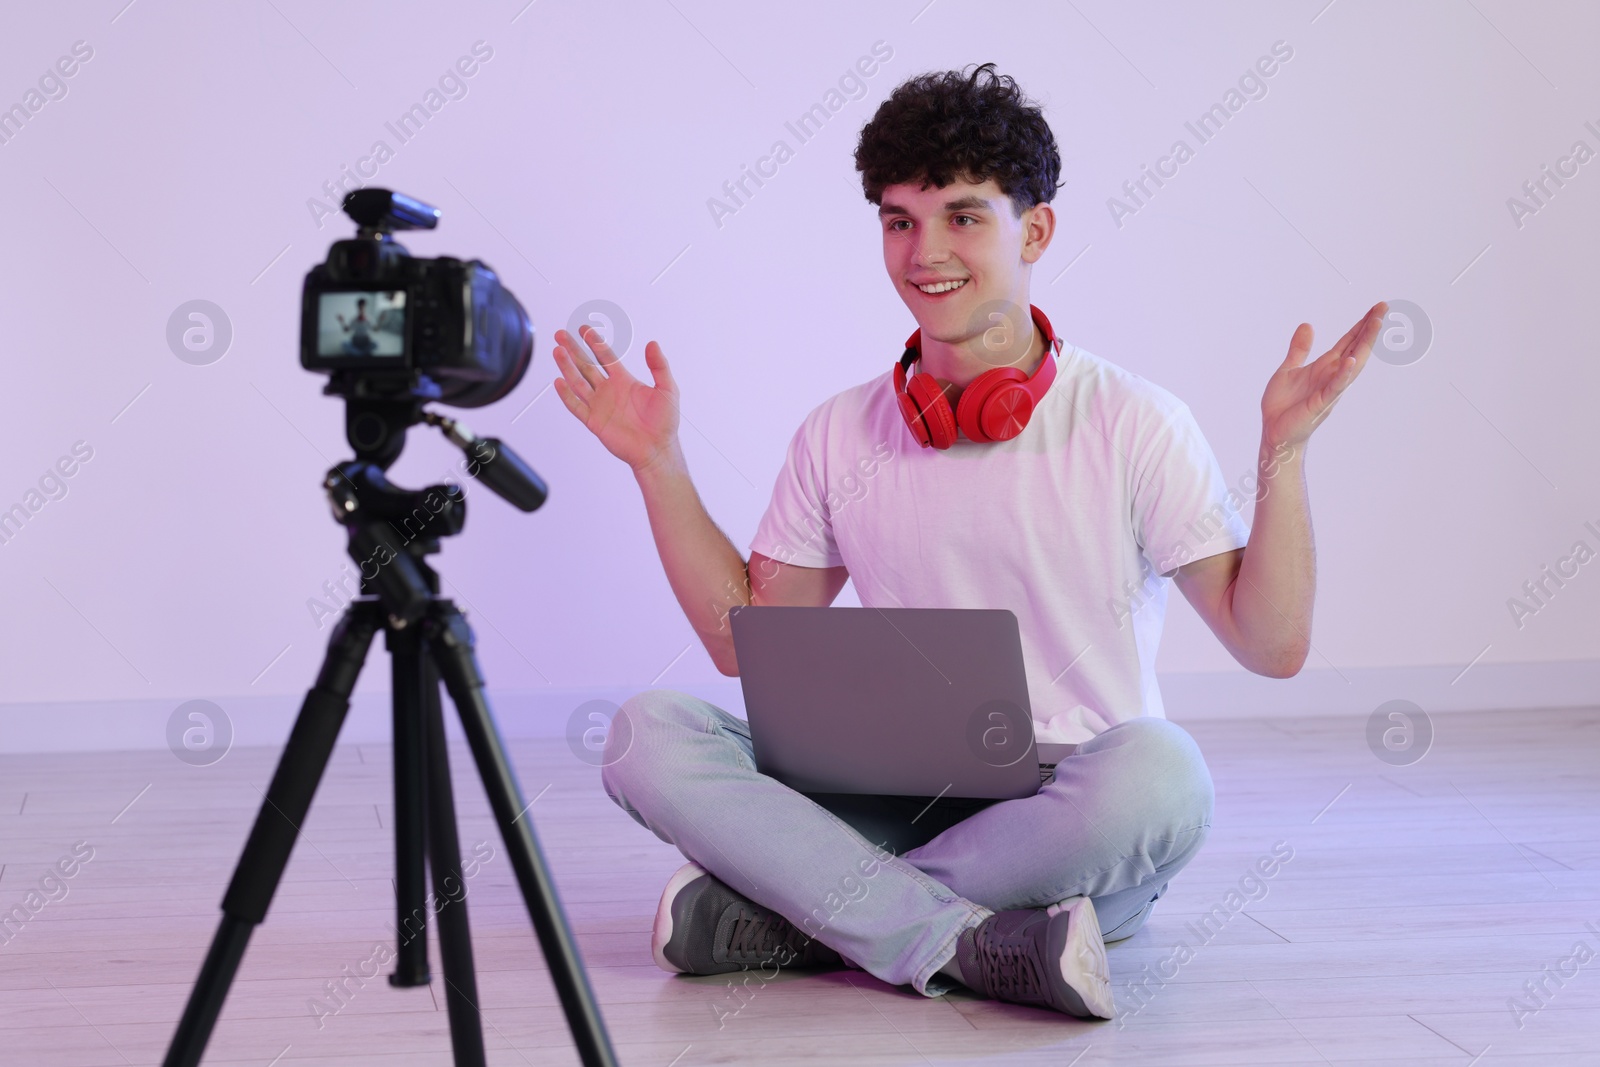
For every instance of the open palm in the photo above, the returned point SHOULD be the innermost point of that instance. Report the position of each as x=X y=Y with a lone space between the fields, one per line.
x=1299 y=397
x=636 y=422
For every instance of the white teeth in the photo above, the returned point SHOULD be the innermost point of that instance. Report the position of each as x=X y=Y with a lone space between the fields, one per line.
x=942 y=287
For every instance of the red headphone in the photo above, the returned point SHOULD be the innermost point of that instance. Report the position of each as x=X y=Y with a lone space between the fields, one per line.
x=995 y=407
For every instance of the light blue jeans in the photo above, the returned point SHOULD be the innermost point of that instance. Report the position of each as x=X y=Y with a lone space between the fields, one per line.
x=890 y=883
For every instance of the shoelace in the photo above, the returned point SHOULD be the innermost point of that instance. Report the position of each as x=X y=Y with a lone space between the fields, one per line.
x=1011 y=970
x=758 y=933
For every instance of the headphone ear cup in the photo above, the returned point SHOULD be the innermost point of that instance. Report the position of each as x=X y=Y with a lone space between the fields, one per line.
x=934 y=409
x=980 y=396
x=913 y=417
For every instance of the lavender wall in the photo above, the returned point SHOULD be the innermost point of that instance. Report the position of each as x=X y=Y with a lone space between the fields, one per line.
x=188 y=157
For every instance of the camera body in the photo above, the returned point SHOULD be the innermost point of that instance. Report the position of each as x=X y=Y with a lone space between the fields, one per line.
x=381 y=322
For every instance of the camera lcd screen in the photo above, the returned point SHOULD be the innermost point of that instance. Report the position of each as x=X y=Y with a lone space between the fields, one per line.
x=362 y=323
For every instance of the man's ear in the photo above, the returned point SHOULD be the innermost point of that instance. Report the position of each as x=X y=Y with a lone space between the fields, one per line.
x=1038 y=229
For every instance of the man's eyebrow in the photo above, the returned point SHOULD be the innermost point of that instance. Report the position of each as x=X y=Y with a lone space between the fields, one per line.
x=965 y=203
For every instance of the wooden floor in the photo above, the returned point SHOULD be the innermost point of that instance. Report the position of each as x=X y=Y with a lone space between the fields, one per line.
x=1418 y=903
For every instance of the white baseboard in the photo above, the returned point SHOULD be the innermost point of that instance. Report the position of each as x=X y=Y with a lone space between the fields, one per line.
x=114 y=725
x=1484 y=687
x=130 y=725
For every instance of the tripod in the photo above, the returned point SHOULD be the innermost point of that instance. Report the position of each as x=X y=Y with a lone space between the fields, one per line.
x=428 y=640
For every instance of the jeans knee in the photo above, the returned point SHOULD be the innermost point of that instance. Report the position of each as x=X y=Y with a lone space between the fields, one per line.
x=632 y=733
x=643 y=733
x=1167 y=760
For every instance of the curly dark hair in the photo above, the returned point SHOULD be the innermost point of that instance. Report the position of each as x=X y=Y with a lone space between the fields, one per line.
x=944 y=126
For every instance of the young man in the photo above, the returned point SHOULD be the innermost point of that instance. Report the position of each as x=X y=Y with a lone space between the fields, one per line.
x=995 y=466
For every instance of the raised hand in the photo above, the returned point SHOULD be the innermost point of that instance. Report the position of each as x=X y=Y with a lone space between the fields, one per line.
x=1298 y=398
x=636 y=422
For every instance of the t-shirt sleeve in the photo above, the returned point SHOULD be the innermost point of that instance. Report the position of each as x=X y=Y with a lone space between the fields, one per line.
x=798 y=527
x=1183 y=508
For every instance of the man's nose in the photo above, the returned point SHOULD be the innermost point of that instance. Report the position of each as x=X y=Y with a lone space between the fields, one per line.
x=930 y=250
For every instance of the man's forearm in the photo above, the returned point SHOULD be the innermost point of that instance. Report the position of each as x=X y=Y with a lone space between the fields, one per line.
x=706 y=572
x=1272 y=594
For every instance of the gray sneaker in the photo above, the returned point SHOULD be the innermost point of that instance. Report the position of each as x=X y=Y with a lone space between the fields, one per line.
x=1050 y=957
x=703 y=927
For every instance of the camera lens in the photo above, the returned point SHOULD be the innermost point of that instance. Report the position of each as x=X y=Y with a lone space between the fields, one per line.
x=503 y=337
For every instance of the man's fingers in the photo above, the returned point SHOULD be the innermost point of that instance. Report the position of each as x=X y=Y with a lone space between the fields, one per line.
x=1369 y=324
x=602 y=351
x=1372 y=325
x=1334 y=364
x=1342 y=345
x=575 y=373
x=1351 y=357
x=574 y=405
x=1353 y=337
x=1299 y=345
x=1357 y=354
x=589 y=353
x=568 y=352
x=660 y=373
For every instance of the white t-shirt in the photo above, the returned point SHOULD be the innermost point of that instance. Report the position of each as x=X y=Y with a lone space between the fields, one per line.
x=1075 y=525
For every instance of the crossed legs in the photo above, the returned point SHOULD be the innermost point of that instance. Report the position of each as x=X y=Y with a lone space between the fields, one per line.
x=1120 y=818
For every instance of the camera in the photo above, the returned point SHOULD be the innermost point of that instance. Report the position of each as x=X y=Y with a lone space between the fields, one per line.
x=386 y=325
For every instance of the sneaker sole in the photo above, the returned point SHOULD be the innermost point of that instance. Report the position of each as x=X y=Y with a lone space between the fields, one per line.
x=661 y=931
x=1081 y=955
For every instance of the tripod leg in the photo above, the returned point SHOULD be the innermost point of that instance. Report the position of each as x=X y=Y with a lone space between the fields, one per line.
x=449 y=888
x=452 y=647
x=413 y=677
x=266 y=852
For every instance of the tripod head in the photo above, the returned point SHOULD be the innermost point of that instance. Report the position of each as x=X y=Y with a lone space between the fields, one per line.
x=392 y=530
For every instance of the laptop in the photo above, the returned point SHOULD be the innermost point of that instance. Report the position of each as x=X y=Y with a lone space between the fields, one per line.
x=890 y=701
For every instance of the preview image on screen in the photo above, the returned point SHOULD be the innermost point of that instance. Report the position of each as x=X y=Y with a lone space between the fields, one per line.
x=362 y=323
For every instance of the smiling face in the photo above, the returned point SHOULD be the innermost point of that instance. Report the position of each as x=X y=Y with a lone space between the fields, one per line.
x=951 y=253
